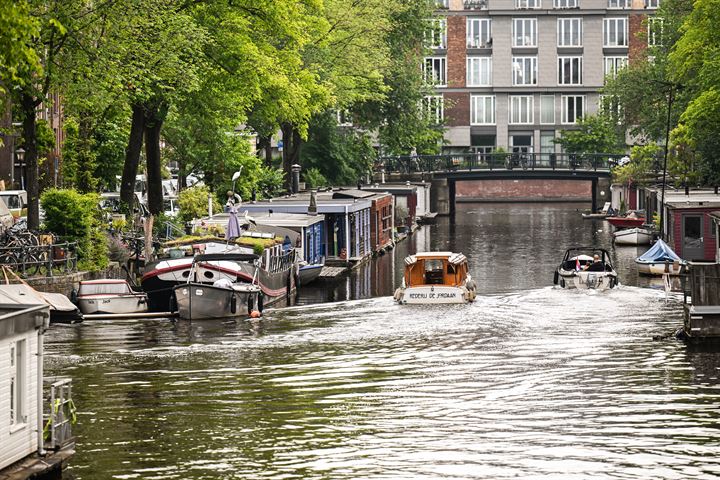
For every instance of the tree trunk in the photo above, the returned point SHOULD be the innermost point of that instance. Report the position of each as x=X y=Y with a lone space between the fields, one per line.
x=291 y=151
x=153 y=124
x=28 y=105
x=266 y=145
x=132 y=157
x=148 y=231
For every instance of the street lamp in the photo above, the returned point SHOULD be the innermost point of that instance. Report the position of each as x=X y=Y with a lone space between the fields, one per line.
x=20 y=156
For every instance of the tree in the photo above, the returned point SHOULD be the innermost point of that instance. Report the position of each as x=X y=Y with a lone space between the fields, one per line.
x=594 y=134
x=18 y=29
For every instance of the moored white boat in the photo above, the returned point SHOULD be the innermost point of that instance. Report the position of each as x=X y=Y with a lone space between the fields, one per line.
x=110 y=296
x=582 y=271
x=436 y=278
x=633 y=236
x=659 y=260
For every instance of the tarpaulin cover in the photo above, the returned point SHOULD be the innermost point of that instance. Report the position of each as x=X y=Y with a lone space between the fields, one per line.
x=660 y=252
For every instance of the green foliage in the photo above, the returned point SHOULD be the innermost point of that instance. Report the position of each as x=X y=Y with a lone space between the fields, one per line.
x=76 y=217
x=314 y=179
x=644 y=161
x=341 y=155
x=193 y=203
x=17 y=56
x=594 y=134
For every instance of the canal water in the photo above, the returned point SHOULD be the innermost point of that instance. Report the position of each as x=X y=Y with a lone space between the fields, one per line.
x=530 y=381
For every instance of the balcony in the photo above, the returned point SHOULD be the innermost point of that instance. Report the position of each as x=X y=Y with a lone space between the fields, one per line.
x=479 y=43
x=475 y=4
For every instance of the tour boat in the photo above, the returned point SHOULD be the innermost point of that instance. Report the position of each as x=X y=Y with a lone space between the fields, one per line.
x=659 y=260
x=223 y=298
x=626 y=222
x=633 y=236
x=578 y=269
x=436 y=277
x=110 y=296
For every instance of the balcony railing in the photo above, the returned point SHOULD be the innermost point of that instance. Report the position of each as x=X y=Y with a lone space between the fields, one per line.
x=59 y=416
x=497 y=161
x=475 y=4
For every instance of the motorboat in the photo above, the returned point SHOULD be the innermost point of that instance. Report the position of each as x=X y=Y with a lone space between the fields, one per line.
x=436 y=278
x=109 y=296
x=309 y=272
x=584 y=268
x=633 y=236
x=626 y=222
x=223 y=298
x=603 y=213
x=660 y=260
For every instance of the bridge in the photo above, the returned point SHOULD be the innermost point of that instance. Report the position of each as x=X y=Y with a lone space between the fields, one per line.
x=451 y=174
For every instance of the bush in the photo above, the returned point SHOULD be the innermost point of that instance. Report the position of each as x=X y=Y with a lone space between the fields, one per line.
x=76 y=217
x=193 y=203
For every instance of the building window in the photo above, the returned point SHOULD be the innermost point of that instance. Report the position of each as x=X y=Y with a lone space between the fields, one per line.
x=524 y=32
x=478 y=33
x=652 y=3
x=615 y=32
x=573 y=108
x=547 y=146
x=436 y=33
x=479 y=71
x=609 y=105
x=569 y=70
x=524 y=70
x=18 y=359
x=569 y=32
x=655 y=31
x=442 y=3
x=344 y=118
x=619 y=3
x=521 y=109
x=475 y=4
x=482 y=109
x=565 y=4
x=435 y=108
x=547 y=109
x=436 y=71
x=613 y=65
x=522 y=4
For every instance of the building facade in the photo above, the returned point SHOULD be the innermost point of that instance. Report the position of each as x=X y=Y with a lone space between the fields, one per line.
x=512 y=74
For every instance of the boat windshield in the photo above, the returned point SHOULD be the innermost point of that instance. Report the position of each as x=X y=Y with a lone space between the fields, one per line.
x=115 y=288
x=434 y=274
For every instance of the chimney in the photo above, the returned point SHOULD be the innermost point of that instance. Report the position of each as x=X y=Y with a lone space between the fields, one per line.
x=295 y=178
x=312 y=208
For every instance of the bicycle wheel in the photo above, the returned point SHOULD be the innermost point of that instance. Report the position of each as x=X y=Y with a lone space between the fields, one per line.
x=8 y=259
x=30 y=264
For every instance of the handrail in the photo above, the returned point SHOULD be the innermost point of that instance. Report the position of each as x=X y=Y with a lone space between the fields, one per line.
x=31 y=260
x=60 y=416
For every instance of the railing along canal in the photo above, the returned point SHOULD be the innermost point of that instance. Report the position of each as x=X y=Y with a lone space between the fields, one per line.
x=60 y=416
x=497 y=161
x=31 y=260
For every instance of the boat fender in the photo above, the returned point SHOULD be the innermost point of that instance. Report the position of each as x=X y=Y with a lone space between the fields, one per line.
x=556 y=277
x=260 y=301
x=173 y=303
x=255 y=314
x=73 y=296
x=251 y=303
x=562 y=283
x=470 y=284
x=233 y=304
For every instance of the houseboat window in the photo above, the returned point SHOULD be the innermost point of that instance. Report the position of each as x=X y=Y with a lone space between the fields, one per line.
x=17 y=383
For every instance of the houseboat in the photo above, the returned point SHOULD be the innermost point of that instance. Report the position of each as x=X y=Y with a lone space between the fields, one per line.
x=110 y=296
x=586 y=268
x=436 y=278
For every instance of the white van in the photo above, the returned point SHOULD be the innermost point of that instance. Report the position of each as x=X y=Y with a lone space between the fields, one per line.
x=16 y=201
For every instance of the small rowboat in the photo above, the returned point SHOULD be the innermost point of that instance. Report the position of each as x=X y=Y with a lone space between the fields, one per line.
x=633 y=236
x=626 y=222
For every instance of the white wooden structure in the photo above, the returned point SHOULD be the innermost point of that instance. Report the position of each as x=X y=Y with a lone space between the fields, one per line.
x=21 y=380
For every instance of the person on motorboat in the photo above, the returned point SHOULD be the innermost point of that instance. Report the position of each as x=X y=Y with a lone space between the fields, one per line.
x=596 y=265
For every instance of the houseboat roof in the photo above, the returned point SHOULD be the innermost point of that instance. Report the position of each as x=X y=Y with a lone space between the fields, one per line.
x=716 y=216
x=395 y=189
x=301 y=203
x=701 y=199
x=282 y=219
x=451 y=257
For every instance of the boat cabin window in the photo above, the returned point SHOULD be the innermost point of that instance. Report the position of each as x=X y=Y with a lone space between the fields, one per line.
x=434 y=272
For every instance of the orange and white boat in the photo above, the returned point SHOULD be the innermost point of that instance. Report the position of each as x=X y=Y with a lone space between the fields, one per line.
x=435 y=278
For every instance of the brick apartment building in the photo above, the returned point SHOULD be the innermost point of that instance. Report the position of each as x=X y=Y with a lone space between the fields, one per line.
x=514 y=73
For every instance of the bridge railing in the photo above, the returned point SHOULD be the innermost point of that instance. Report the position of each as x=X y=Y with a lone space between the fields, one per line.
x=497 y=161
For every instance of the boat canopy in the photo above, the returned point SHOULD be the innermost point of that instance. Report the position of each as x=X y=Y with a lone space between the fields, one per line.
x=453 y=258
x=232 y=257
x=660 y=252
x=108 y=287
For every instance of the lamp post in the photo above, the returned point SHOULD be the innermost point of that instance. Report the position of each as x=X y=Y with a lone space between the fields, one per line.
x=20 y=157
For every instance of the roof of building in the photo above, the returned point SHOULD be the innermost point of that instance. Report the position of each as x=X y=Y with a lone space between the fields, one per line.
x=696 y=199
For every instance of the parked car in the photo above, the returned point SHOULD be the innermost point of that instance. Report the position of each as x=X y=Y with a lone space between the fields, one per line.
x=16 y=201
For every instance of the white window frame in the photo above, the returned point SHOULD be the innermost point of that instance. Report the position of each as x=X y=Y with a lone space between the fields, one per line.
x=652 y=4
x=614 y=41
x=564 y=99
x=442 y=4
x=479 y=32
x=619 y=4
x=516 y=72
x=521 y=110
x=576 y=70
x=561 y=4
x=543 y=110
x=616 y=109
x=655 y=33
x=525 y=30
x=484 y=66
x=528 y=4
x=436 y=33
x=613 y=64
x=488 y=116
x=429 y=75
x=18 y=384
x=572 y=25
x=435 y=107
